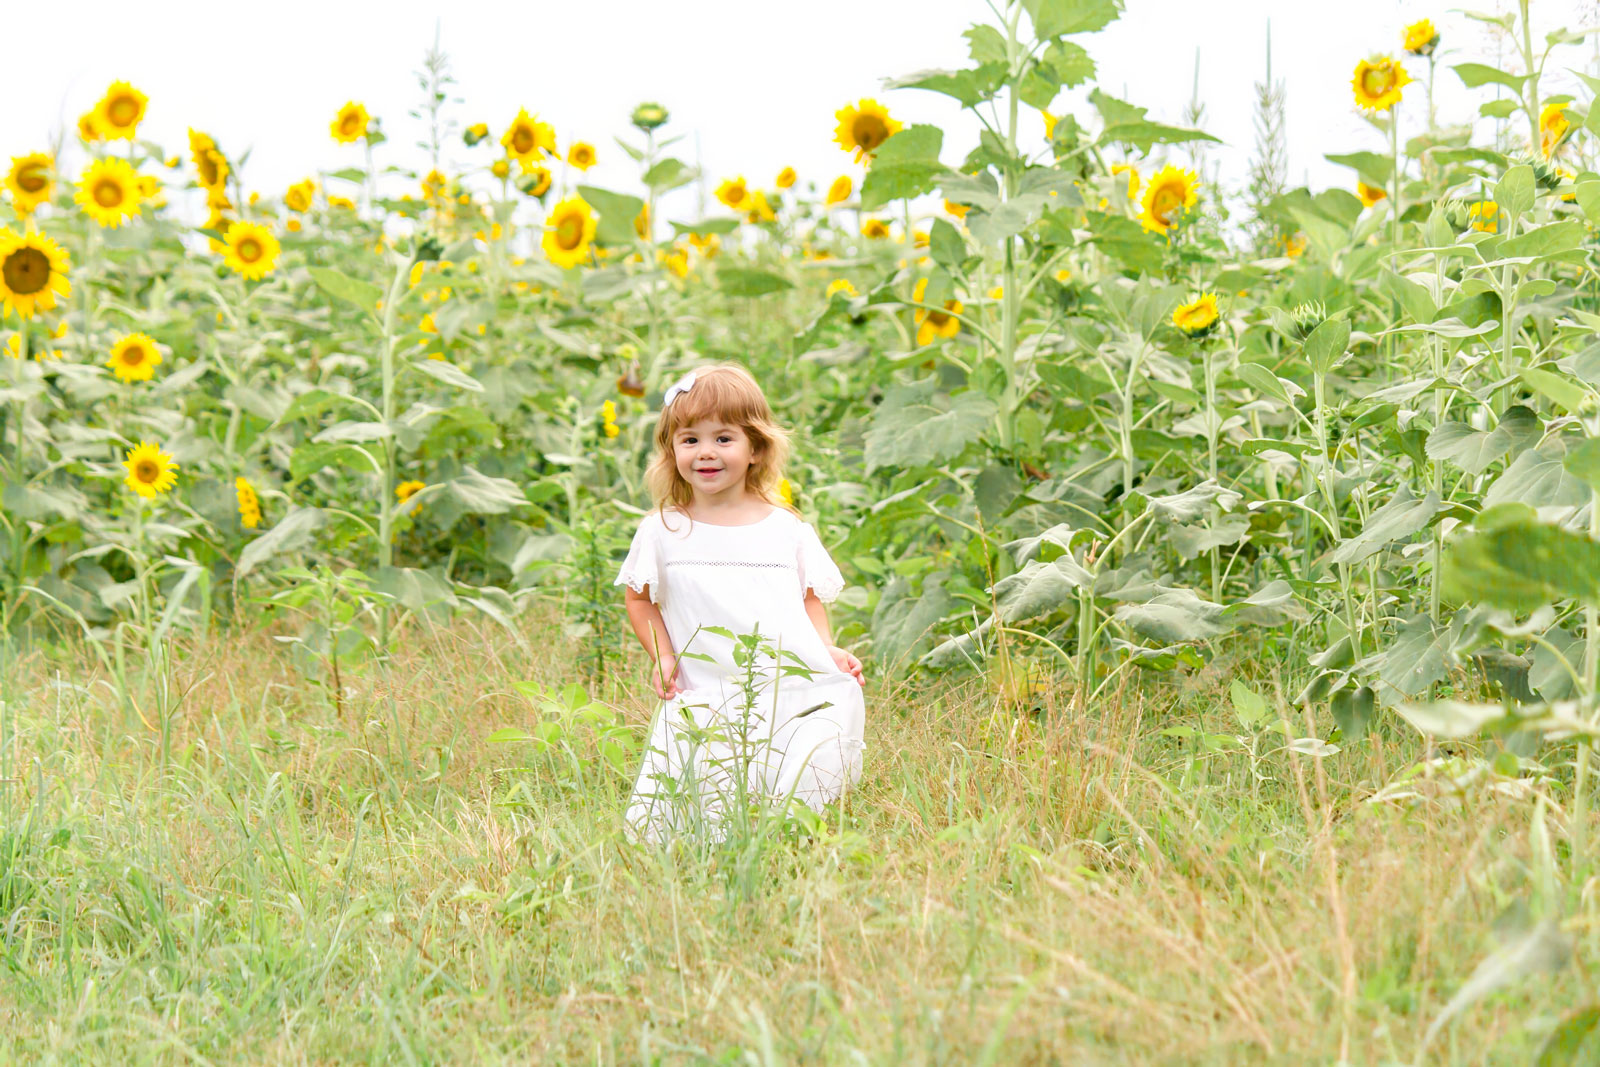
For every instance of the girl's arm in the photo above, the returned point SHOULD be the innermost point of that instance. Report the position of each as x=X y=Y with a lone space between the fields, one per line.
x=818 y=613
x=651 y=629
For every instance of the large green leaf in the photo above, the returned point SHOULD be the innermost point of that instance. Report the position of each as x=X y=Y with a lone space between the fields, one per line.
x=1397 y=520
x=1539 y=479
x=905 y=165
x=746 y=281
x=1523 y=564
x=1174 y=617
x=669 y=174
x=1057 y=18
x=617 y=212
x=484 y=494
x=971 y=87
x=1040 y=588
x=362 y=294
x=1374 y=168
x=916 y=425
x=291 y=533
x=1475 y=74
x=1471 y=450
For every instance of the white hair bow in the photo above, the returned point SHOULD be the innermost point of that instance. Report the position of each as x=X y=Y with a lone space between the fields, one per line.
x=682 y=385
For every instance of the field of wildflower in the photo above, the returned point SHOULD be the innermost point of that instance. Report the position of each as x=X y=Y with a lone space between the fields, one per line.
x=1226 y=561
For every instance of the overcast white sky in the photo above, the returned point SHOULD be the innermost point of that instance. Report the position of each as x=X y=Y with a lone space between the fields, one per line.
x=758 y=82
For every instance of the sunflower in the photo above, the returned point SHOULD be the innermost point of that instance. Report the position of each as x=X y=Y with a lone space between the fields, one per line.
x=249 y=503
x=219 y=222
x=108 y=192
x=874 y=228
x=931 y=324
x=212 y=169
x=786 y=492
x=343 y=202
x=150 y=470
x=1484 y=216
x=252 y=250
x=300 y=195
x=785 y=178
x=433 y=184
x=1198 y=317
x=88 y=128
x=677 y=261
x=29 y=181
x=119 y=112
x=758 y=210
x=350 y=124
x=863 y=126
x=1553 y=127
x=581 y=155
x=839 y=191
x=527 y=139
x=1420 y=38
x=1566 y=176
x=569 y=232
x=500 y=168
x=406 y=490
x=839 y=285
x=1369 y=194
x=33 y=272
x=134 y=358
x=1049 y=124
x=1377 y=83
x=734 y=192
x=709 y=244
x=641 y=222
x=475 y=133
x=958 y=210
x=1132 y=171
x=1170 y=194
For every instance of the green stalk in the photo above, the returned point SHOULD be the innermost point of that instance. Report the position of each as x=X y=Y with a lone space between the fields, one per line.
x=1009 y=303
x=1591 y=661
x=1326 y=479
x=385 y=511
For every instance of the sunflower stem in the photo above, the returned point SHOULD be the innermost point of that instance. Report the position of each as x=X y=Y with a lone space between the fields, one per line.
x=385 y=511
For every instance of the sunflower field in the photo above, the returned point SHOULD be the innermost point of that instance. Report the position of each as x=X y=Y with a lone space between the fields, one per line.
x=1226 y=561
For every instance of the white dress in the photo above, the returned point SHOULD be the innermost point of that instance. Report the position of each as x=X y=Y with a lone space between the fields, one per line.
x=798 y=736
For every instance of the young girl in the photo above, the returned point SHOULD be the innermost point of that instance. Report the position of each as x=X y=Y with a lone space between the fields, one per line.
x=721 y=550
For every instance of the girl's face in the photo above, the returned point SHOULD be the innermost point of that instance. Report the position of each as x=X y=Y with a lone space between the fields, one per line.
x=713 y=458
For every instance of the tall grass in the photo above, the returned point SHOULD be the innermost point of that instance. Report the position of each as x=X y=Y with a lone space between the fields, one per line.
x=1151 y=882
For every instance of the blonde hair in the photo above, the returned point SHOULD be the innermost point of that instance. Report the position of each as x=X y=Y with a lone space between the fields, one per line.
x=724 y=392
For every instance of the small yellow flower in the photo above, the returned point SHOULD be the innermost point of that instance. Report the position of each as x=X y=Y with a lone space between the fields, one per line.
x=757 y=209
x=1049 y=124
x=931 y=324
x=30 y=181
x=427 y=326
x=1483 y=215
x=839 y=285
x=1063 y=275
x=249 y=503
x=1132 y=172
x=1553 y=127
x=350 y=124
x=252 y=250
x=1170 y=194
x=109 y=191
x=581 y=155
x=785 y=178
x=300 y=195
x=1198 y=317
x=569 y=232
x=342 y=202
x=786 y=492
x=527 y=139
x=863 y=127
x=134 y=358
x=406 y=490
x=150 y=470
x=876 y=229
x=997 y=293
x=292 y=225
x=500 y=168
x=120 y=111
x=1377 y=83
x=733 y=192
x=839 y=191
x=33 y=273
x=1420 y=38
x=1369 y=194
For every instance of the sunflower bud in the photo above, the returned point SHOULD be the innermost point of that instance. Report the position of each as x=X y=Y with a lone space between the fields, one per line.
x=428 y=248
x=1544 y=172
x=475 y=133
x=1307 y=317
x=649 y=116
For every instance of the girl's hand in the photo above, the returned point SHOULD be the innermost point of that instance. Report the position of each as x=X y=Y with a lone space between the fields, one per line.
x=847 y=663
x=664 y=677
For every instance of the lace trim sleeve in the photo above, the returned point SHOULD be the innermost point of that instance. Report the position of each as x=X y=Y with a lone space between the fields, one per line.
x=817 y=569
x=641 y=568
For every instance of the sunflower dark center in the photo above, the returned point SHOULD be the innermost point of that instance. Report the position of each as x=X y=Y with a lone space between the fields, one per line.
x=569 y=232
x=1376 y=81
x=26 y=271
x=1165 y=201
x=108 y=192
x=209 y=170
x=124 y=111
x=350 y=123
x=32 y=178
x=522 y=140
x=134 y=355
x=869 y=131
x=147 y=470
x=249 y=250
